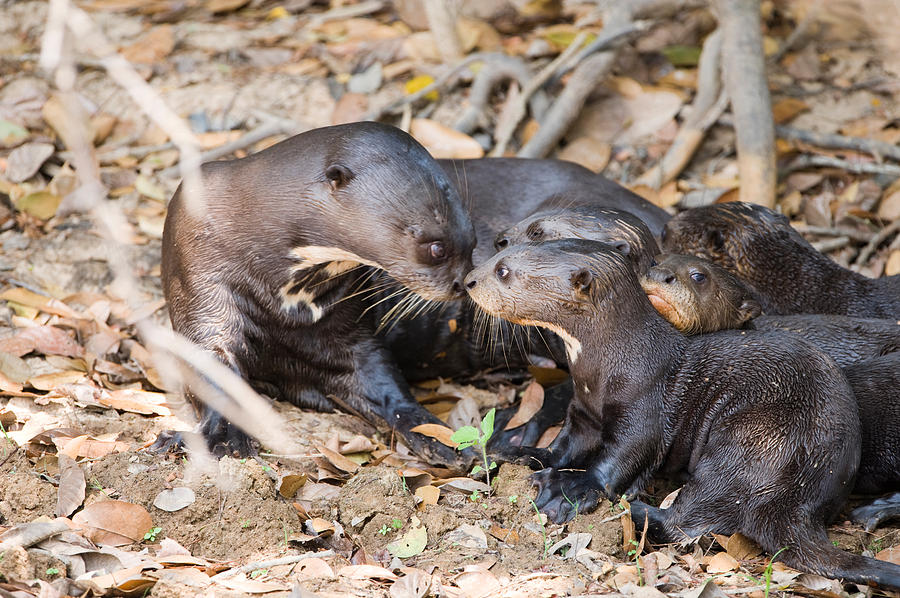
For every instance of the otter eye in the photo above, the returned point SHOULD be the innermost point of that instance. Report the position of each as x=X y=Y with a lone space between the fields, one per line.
x=698 y=277
x=502 y=272
x=437 y=251
x=535 y=232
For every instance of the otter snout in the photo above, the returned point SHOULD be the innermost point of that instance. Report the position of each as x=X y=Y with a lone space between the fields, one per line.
x=661 y=274
x=501 y=242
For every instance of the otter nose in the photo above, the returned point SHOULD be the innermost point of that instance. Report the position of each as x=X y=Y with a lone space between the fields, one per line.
x=458 y=287
x=662 y=275
x=501 y=243
x=471 y=284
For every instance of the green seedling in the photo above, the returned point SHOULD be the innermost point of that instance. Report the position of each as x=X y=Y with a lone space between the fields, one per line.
x=151 y=535
x=767 y=574
x=384 y=530
x=396 y=523
x=637 y=563
x=245 y=523
x=52 y=571
x=471 y=436
x=258 y=573
x=543 y=528
x=514 y=499
x=474 y=496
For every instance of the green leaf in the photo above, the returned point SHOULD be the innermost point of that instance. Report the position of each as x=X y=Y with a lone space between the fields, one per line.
x=493 y=465
x=682 y=56
x=40 y=204
x=476 y=469
x=11 y=134
x=487 y=424
x=411 y=544
x=465 y=434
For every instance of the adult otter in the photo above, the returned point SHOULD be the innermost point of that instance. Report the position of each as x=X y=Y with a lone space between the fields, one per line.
x=784 y=272
x=265 y=272
x=698 y=296
x=763 y=425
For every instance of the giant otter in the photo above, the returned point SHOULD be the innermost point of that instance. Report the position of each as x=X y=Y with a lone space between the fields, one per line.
x=784 y=272
x=764 y=426
x=265 y=272
x=698 y=296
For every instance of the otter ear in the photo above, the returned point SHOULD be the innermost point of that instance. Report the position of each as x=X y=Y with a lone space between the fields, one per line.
x=714 y=238
x=749 y=309
x=582 y=280
x=338 y=175
x=622 y=246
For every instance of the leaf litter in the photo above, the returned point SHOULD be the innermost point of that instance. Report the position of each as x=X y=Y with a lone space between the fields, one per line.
x=80 y=395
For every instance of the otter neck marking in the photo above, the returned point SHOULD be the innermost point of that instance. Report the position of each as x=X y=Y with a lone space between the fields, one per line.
x=573 y=345
x=315 y=267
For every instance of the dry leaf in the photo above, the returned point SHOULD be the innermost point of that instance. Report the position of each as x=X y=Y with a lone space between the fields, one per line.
x=70 y=493
x=415 y=584
x=722 y=563
x=288 y=484
x=41 y=302
x=313 y=568
x=338 y=460
x=51 y=381
x=785 y=110
x=114 y=522
x=892 y=267
x=548 y=436
x=152 y=47
x=509 y=536
x=24 y=161
x=531 y=403
x=174 y=499
x=366 y=572
x=891 y=555
x=136 y=401
x=429 y=495
x=411 y=543
x=443 y=142
x=251 y=586
x=440 y=433
x=591 y=153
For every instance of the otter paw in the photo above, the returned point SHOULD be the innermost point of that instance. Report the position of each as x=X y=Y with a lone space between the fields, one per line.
x=534 y=458
x=564 y=494
x=874 y=513
x=435 y=453
x=224 y=438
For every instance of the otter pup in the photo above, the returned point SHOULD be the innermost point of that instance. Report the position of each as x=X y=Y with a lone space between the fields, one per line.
x=266 y=272
x=784 y=272
x=698 y=296
x=764 y=426
x=627 y=233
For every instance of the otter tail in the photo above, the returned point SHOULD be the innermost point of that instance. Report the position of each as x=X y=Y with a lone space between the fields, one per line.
x=816 y=554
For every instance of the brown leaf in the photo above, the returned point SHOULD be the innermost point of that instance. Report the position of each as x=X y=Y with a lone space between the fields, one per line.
x=366 y=572
x=443 y=142
x=88 y=447
x=509 y=536
x=350 y=108
x=313 y=568
x=338 y=460
x=215 y=6
x=70 y=493
x=785 y=110
x=892 y=267
x=440 y=433
x=591 y=153
x=136 y=401
x=531 y=403
x=891 y=555
x=51 y=381
x=429 y=496
x=151 y=47
x=14 y=369
x=548 y=436
x=24 y=161
x=41 y=302
x=722 y=563
x=288 y=484
x=251 y=586
x=114 y=522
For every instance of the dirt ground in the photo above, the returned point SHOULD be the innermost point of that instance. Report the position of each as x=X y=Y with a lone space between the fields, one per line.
x=381 y=523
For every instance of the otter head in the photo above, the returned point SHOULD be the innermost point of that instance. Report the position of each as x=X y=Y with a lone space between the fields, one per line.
x=378 y=198
x=558 y=285
x=734 y=235
x=625 y=232
x=697 y=296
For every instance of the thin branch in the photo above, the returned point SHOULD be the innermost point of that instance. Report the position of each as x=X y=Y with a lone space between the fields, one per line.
x=803 y=162
x=882 y=236
x=285 y=560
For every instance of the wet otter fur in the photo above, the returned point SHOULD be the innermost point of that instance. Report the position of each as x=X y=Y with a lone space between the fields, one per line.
x=783 y=271
x=266 y=272
x=697 y=296
x=764 y=427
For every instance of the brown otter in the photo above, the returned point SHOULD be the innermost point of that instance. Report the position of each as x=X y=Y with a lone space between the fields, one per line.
x=698 y=296
x=265 y=273
x=784 y=272
x=627 y=233
x=763 y=425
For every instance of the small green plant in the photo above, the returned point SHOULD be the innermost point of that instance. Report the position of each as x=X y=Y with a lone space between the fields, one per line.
x=475 y=496
x=396 y=523
x=258 y=573
x=835 y=543
x=767 y=574
x=245 y=523
x=470 y=435
x=637 y=563
x=151 y=535
x=543 y=528
x=876 y=545
x=384 y=530
x=573 y=504
x=52 y=571
x=514 y=499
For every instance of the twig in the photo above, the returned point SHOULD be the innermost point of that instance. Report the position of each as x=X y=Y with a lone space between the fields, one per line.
x=285 y=560
x=498 y=68
x=266 y=129
x=8 y=456
x=876 y=148
x=111 y=155
x=811 y=16
x=708 y=106
x=607 y=40
x=442 y=22
x=802 y=162
x=833 y=231
x=438 y=85
x=744 y=68
x=831 y=244
x=882 y=236
x=346 y=12
x=505 y=133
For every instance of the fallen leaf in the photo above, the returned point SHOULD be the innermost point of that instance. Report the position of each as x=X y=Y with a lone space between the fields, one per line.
x=24 y=161
x=151 y=47
x=288 y=484
x=136 y=401
x=251 y=586
x=465 y=485
x=722 y=562
x=440 y=433
x=313 y=568
x=478 y=583
x=11 y=134
x=739 y=546
x=70 y=493
x=411 y=543
x=443 y=142
x=892 y=267
x=420 y=82
x=338 y=460
x=415 y=584
x=41 y=302
x=40 y=204
x=429 y=495
x=509 y=536
x=51 y=381
x=114 y=522
x=891 y=555
x=174 y=499
x=531 y=402
x=785 y=110
x=13 y=368
x=467 y=536
x=591 y=153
